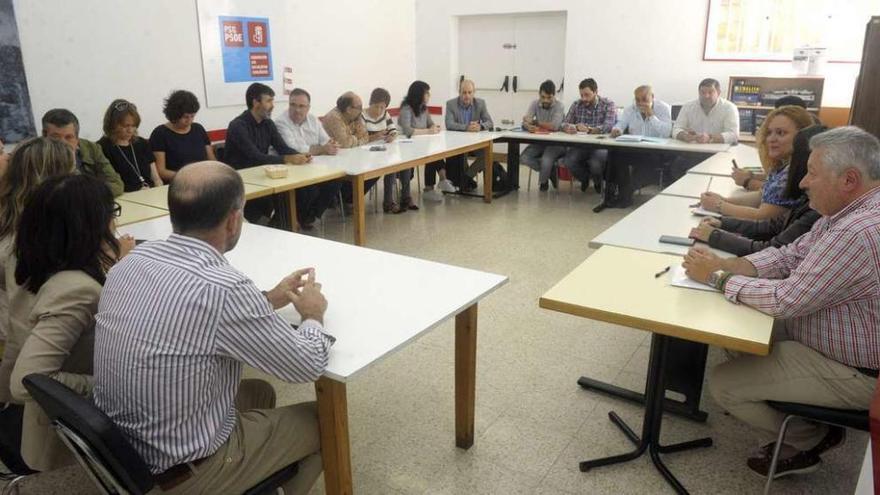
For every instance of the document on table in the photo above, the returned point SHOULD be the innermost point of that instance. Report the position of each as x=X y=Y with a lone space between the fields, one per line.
x=702 y=212
x=678 y=278
x=638 y=138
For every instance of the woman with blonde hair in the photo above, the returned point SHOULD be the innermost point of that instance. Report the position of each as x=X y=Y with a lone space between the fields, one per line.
x=775 y=146
x=32 y=162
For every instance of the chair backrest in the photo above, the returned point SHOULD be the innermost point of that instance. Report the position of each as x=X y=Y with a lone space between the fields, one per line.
x=676 y=109
x=97 y=443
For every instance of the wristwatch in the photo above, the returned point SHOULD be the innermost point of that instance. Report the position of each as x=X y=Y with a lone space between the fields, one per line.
x=716 y=278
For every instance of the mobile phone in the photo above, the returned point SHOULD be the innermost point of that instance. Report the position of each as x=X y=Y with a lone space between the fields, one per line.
x=681 y=241
x=138 y=242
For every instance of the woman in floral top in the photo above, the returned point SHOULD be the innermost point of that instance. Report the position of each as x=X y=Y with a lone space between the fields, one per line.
x=775 y=146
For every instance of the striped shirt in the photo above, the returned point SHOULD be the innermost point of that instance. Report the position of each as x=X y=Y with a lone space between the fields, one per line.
x=174 y=324
x=825 y=286
x=602 y=114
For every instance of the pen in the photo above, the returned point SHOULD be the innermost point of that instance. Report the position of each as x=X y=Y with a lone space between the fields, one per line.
x=734 y=163
x=661 y=272
x=695 y=205
x=710 y=183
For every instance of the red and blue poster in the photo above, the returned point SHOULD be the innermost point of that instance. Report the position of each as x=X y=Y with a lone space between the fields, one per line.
x=246 y=49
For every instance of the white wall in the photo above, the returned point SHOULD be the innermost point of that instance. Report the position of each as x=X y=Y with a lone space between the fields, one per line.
x=82 y=54
x=621 y=44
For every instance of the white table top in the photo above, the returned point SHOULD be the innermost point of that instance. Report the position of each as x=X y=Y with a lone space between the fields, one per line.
x=693 y=185
x=378 y=302
x=641 y=229
x=720 y=163
x=668 y=144
x=633 y=297
x=359 y=160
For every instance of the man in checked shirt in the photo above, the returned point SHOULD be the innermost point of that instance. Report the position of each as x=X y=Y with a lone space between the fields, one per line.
x=824 y=291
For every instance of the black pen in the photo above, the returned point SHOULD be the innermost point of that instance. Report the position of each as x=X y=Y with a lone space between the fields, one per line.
x=734 y=163
x=661 y=272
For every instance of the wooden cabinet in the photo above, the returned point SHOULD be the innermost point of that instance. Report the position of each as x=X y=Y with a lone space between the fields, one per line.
x=866 y=98
x=756 y=95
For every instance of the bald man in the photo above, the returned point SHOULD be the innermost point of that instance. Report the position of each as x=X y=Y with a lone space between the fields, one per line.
x=466 y=113
x=172 y=362
x=344 y=124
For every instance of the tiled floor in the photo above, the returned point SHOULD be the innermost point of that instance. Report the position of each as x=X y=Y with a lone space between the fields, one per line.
x=533 y=422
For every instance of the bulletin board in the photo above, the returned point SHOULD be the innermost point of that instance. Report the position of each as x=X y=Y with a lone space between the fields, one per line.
x=236 y=39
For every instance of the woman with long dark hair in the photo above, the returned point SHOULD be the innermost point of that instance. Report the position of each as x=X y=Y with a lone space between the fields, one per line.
x=414 y=120
x=64 y=246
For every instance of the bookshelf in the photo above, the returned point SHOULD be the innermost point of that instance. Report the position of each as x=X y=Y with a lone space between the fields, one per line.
x=755 y=96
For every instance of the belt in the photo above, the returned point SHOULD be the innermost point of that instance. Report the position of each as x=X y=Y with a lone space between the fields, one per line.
x=176 y=475
x=869 y=372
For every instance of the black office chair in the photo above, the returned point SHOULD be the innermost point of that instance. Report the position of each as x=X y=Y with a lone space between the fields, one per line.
x=220 y=151
x=857 y=420
x=101 y=448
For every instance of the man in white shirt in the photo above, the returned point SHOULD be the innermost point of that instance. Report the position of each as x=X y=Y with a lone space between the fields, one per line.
x=646 y=116
x=708 y=119
x=303 y=132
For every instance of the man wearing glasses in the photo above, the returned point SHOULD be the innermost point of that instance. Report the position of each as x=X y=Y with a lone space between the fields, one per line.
x=344 y=123
x=302 y=131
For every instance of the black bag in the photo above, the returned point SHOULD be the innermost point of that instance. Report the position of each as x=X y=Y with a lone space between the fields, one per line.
x=499 y=178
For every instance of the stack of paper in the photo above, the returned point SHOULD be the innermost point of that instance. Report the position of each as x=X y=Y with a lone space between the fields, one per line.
x=678 y=278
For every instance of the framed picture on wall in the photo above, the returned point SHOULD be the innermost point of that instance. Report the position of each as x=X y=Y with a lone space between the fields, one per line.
x=770 y=30
x=16 y=115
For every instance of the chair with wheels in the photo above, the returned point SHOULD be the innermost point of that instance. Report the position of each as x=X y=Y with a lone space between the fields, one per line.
x=102 y=449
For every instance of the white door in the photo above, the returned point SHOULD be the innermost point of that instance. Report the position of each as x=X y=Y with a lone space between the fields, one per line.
x=539 y=55
x=527 y=47
x=485 y=55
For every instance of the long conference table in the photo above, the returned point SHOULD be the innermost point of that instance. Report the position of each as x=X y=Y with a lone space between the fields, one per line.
x=362 y=163
x=370 y=318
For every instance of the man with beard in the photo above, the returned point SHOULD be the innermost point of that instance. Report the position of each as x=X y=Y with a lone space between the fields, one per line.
x=544 y=115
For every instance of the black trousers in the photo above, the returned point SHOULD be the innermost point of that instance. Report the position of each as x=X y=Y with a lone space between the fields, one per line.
x=348 y=191
x=455 y=167
x=313 y=201
x=630 y=170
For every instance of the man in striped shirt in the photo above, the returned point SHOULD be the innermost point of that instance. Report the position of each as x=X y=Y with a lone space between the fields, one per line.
x=824 y=290
x=175 y=323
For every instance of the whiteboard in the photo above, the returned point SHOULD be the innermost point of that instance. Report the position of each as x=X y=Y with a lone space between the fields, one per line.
x=222 y=89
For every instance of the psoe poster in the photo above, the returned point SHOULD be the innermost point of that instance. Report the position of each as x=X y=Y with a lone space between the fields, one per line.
x=246 y=49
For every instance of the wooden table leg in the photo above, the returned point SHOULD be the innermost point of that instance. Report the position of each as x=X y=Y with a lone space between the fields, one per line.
x=359 y=211
x=333 y=422
x=488 y=173
x=465 y=375
x=291 y=210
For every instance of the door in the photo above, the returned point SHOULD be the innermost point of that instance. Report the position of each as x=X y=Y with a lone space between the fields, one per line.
x=528 y=47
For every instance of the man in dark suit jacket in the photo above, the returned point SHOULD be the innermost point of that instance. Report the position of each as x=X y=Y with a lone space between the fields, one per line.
x=468 y=114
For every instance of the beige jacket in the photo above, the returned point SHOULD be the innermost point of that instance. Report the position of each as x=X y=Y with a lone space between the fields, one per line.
x=51 y=332
x=346 y=135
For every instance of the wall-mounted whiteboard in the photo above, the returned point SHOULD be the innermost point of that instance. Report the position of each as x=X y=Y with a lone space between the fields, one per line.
x=237 y=47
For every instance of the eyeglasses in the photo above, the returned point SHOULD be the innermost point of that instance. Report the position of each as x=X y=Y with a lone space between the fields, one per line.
x=123 y=105
x=116 y=211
